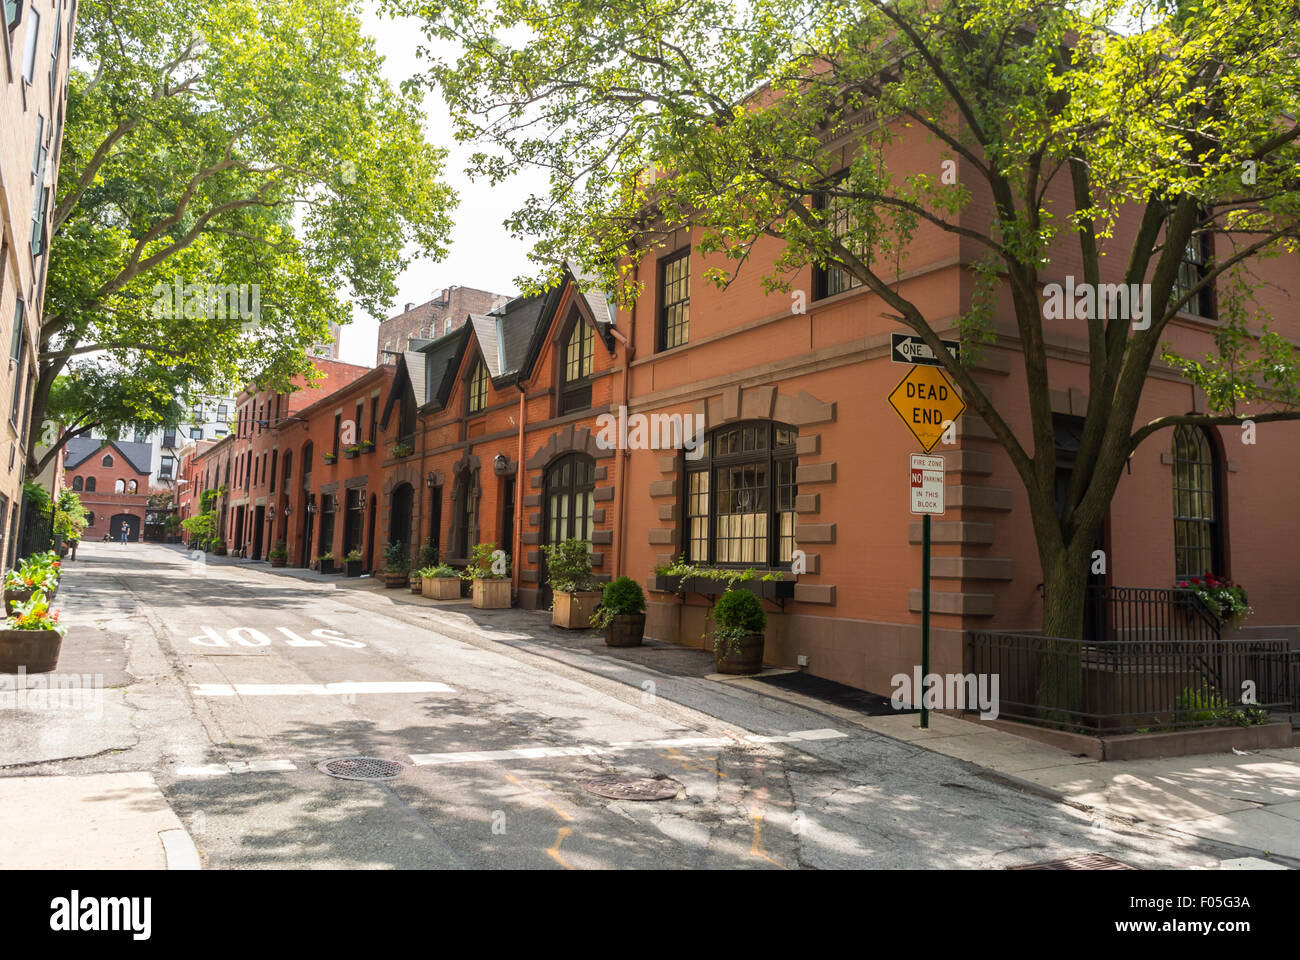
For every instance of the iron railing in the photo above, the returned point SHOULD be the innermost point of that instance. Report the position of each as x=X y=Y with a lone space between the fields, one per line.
x=1136 y=686
x=1147 y=613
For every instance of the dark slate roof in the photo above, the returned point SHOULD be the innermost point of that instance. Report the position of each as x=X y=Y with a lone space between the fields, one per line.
x=139 y=455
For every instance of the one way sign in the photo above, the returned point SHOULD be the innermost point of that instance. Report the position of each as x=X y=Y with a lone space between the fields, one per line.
x=909 y=348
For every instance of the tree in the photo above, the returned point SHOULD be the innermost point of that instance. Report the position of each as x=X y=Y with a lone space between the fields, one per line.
x=228 y=166
x=1178 y=117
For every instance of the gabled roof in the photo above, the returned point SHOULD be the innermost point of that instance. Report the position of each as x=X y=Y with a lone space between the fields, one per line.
x=80 y=449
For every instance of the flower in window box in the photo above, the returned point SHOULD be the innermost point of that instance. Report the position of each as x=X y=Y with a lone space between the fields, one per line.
x=402 y=450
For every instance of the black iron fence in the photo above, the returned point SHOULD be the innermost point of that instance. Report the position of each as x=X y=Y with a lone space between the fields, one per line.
x=1147 y=613
x=1138 y=686
x=35 y=529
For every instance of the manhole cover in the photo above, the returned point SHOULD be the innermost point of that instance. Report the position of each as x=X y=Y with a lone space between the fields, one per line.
x=633 y=788
x=362 y=768
x=1093 y=861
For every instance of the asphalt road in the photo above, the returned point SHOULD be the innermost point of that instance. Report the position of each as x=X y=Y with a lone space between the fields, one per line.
x=230 y=684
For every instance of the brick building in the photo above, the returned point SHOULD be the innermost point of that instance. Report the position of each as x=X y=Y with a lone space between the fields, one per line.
x=112 y=479
x=37 y=47
x=420 y=323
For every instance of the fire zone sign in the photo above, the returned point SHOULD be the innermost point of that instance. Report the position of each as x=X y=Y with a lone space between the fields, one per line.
x=926 y=479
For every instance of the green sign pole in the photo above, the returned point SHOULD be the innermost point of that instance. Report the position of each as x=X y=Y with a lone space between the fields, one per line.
x=925 y=617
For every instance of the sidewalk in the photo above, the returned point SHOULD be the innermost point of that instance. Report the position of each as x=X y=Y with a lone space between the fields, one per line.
x=1249 y=801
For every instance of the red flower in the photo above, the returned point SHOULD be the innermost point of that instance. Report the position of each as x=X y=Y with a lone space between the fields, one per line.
x=1196 y=580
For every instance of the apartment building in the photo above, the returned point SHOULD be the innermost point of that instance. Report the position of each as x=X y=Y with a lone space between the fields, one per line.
x=421 y=323
x=37 y=41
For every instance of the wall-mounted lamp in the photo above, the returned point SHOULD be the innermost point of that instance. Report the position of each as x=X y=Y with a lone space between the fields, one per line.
x=311 y=506
x=288 y=509
x=270 y=513
x=431 y=481
x=500 y=464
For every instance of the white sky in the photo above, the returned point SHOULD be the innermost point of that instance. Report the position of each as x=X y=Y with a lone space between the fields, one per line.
x=482 y=252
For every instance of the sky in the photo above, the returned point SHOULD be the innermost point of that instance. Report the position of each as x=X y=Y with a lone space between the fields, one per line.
x=482 y=252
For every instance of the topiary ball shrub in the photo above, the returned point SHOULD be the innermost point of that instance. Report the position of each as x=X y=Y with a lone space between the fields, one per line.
x=623 y=595
x=739 y=611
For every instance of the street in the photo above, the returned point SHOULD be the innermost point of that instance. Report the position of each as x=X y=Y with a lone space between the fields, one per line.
x=228 y=684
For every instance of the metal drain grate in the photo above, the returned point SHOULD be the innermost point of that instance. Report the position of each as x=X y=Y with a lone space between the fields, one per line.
x=1092 y=861
x=362 y=768
x=633 y=788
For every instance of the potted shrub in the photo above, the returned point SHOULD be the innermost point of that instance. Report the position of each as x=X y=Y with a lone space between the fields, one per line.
x=568 y=571
x=396 y=565
x=440 y=582
x=738 y=624
x=31 y=637
x=489 y=572
x=278 y=556
x=622 y=613
x=325 y=563
x=352 y=563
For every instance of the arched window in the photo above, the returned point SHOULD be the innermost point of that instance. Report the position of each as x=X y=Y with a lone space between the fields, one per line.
x=76 y=483
x=132 y=486
x=570 y=497
x=575 y=390
x=1198 y=531
x=478 y=388
x=740 y=496
x=90 y=484
x=107 y=461
x=119 y=486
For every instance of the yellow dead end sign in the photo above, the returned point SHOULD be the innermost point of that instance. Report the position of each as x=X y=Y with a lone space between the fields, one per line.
x=926 y=400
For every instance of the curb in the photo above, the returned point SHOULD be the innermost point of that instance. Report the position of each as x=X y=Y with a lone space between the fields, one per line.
x=179 y=850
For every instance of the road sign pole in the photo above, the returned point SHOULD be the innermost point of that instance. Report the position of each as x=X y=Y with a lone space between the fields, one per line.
x=925 y=617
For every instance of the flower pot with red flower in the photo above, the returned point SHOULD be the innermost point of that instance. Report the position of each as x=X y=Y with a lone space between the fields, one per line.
x=31 y=637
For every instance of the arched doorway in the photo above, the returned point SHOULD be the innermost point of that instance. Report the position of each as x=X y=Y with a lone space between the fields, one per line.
x=399 y=514
x=569 y=503
x=132 y=522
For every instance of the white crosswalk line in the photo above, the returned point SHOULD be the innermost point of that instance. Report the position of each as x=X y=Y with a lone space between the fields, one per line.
x=317 y=689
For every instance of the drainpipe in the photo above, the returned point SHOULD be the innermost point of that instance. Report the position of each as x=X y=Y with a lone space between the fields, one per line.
x=518 y=532
x=629 y=351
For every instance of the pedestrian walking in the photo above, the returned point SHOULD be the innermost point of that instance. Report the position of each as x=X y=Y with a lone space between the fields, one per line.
x=126 y=531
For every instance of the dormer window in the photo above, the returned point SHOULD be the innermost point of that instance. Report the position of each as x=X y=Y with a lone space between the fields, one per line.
x=478 y=388
x=575 y=389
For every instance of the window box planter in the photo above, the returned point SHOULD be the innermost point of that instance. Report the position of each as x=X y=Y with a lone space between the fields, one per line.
x=707 y=586
x=350 y=454
x=572 y=611
x=352 y=568
x=330 y=458
x=626 y=630
x=441 y=588
x=401 y=450
x=491 y=594
x=36 y=651
x=747 y=660
x=367 y=446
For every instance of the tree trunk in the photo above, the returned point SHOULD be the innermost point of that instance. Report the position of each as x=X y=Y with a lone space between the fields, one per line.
x=1060 y=672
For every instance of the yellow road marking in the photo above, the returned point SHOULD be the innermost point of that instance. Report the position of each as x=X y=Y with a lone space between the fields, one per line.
x=554 y=851
x=562 y=814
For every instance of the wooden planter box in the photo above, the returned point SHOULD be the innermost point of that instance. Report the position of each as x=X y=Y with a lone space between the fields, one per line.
x=625 y=630
x=279 y=561
x=491 y=594
x=352 y=568
x=573 y=611
x=394 y=579
x=441 y=588
x=36 y=651
x=327 y=566
x=763 y=589
x=748 y=660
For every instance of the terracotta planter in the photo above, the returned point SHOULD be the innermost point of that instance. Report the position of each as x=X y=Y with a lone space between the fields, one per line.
x=37 y=651
x=393 y=580
x=441 y=588
x=415 y=583
x=491 y=594
x=573 y=611
x=749 y=659
x=625 y=630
